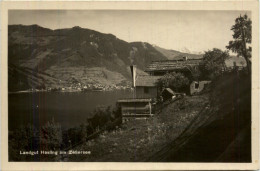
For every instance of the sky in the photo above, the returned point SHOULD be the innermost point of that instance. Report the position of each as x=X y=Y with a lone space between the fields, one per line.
x=194 y=31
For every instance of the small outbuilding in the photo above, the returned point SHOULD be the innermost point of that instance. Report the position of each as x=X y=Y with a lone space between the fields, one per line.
x=135 y=107
x=168 y=94
x=198 y=86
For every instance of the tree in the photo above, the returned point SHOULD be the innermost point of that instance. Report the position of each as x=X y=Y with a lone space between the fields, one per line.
x=23 y=139
x=213 y=63
x=51 y=136
x=173 y=80
x=242 y=39
x=195 y=72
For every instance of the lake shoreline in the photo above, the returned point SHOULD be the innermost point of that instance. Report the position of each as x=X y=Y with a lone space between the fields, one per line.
x=68 y=108
x=67 y=91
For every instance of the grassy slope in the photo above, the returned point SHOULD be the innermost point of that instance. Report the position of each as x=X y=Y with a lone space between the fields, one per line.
x=221 y=132
x=138 y=139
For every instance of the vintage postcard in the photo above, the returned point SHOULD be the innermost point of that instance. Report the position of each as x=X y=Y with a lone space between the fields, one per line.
x=130 y=85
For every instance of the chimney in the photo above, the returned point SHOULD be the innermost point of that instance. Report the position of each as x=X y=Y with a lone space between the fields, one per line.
x=133 y=72
x=185 y=58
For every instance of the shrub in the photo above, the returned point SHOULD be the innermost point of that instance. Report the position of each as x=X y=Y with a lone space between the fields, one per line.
x=24 y=139
x=176 y=81
x=51 y=136
x=102 y=116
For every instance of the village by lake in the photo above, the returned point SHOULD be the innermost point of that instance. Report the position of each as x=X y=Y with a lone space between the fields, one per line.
x=67 y=108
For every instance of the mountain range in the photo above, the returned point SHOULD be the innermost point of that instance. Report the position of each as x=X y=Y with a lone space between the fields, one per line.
x=174 y=54
x=40 y=57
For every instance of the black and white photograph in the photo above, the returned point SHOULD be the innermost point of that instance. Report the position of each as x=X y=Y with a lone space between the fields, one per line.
x=152 y=86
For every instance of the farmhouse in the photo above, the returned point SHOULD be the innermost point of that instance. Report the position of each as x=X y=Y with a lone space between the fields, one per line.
x=145 y=88
x=159 y=68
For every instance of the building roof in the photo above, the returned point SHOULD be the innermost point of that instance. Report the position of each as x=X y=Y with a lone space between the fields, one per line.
x=169 y=90
x=146 y=80
x=172 y=65
x=133 y=100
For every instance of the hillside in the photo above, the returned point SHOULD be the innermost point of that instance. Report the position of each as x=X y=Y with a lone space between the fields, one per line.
x=213 y=126
x=88 y=56
x=222 y=130
x=138 y=139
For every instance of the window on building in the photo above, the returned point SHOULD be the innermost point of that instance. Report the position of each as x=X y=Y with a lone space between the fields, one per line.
x=146 y=90
x=196 y=85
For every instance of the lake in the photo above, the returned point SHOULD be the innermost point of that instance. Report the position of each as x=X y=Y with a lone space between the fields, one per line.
x=68 y=108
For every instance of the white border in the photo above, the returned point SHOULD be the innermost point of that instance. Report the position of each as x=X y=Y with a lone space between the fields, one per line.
x=140 y=5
